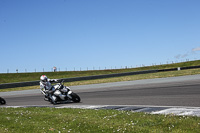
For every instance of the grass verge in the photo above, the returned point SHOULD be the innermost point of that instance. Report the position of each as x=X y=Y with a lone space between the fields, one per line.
x=23 y=77
x=15 y=120
x=118 y=79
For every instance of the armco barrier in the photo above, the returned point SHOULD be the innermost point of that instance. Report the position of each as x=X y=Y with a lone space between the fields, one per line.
x=32 y=83
x=108 y=75
x=191 y=67
x=20 y=84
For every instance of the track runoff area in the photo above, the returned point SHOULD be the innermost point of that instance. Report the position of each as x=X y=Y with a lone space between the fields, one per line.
x=174 y=95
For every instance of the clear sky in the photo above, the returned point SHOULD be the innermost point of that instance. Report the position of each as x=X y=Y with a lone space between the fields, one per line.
x=87 y=34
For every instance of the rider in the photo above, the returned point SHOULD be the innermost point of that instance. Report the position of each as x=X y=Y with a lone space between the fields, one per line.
x=46 y=84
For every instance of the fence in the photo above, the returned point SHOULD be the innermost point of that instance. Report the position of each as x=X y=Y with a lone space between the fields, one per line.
x=58 y=69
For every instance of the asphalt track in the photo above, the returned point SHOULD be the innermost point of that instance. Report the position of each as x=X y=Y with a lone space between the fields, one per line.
x=172 y=92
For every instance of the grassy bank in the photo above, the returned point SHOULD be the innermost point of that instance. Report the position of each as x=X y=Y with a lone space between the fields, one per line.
x=81 y=120
x=118 y=79
x=22 y=77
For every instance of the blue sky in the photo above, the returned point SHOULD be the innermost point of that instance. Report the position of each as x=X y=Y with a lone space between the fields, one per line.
x=87 y=34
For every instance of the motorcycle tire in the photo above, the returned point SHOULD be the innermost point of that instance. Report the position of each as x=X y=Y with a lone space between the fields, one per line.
x=2 y=101
x=75 y=98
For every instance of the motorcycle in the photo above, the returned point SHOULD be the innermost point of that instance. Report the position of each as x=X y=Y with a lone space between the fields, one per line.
x=61 y=94
x=2 y=101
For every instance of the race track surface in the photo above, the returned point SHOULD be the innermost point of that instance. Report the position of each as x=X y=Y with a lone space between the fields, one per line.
x=175 y=95
x=176 y=91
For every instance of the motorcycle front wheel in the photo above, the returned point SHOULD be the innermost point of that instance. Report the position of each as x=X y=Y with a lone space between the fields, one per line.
x=75 y=98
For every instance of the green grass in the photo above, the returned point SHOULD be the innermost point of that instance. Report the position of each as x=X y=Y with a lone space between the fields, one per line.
x=17 y=120
x=21 y=120
x=22 y=77
x=118 y=79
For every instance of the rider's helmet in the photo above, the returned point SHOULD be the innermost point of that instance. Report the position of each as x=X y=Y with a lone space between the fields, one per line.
x=43 y=79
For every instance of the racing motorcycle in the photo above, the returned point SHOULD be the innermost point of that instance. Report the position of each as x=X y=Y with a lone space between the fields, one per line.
x=62 y=94
x=2 y=101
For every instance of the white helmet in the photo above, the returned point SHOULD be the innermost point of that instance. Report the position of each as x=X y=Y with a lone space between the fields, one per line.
x=43 y=78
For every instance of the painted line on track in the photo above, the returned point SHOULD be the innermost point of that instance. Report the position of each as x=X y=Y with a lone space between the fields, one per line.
x=165 y=110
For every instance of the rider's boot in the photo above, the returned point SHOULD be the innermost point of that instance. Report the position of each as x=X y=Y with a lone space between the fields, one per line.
x=46 y=97
x=53 y=99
